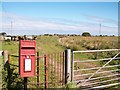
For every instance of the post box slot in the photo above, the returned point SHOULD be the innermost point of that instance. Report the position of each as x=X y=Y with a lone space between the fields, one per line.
x=27 y=47
x=28 y=54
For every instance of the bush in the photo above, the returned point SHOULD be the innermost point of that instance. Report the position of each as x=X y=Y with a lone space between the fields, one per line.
x=8 y=40
x=86 y=34
x=71 y=85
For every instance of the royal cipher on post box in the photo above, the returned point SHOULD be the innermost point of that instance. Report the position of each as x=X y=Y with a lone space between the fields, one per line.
x=27 y=58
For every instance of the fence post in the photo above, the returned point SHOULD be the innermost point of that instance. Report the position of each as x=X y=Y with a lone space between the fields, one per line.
x=72 y=67
x=38 y=82
x=7 y=67
x=67 y=66
x=5 y=56
x=46 y=72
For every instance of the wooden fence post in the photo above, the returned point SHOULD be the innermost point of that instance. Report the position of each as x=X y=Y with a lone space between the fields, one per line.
x=7 y=67
x=5 y=56
x=67 y=66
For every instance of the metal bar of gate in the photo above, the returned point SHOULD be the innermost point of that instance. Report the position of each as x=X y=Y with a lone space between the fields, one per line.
x=38 y=73
x=103 y=86
x=72 y=63
x=106 y=50
x=46 y=71
x=60 y=69
x=106 y=59
x=77 y=81
x=63 y=69
x=95 y=68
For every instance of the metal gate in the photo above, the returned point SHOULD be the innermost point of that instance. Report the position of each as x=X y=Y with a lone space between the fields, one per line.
x=50 y=70
x=91 y=69
x=96 y=69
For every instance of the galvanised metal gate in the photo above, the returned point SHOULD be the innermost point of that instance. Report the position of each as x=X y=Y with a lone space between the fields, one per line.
x=96 y=69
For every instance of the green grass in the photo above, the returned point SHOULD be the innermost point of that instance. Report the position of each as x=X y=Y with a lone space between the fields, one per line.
x=48 y=44
x=52 y=44
x=12 y=47
x=1 y=60
x=1 y=67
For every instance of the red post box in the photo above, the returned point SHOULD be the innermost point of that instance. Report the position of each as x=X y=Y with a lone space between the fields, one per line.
x=27 y=58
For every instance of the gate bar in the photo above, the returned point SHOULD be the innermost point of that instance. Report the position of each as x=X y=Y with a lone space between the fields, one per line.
x=95 y=68
x=101 y=82
x=97 y=78
x=106 y=50
x=38 y=73
x=96 y=73
x=72 y=64
x=106 y=59
x=46 y=72
x=103 y=86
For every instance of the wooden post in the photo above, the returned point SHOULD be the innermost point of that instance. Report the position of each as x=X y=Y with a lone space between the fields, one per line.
x=8 y=71
x=9 y=58
x=46 y=72
x=5 y=56
x=67 y=66
x=63 y=78
x=38 y=82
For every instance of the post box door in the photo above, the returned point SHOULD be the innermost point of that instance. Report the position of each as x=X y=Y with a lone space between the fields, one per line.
x=27 y=58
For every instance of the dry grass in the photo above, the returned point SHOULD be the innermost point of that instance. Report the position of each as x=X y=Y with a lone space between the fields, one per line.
x=82 y=43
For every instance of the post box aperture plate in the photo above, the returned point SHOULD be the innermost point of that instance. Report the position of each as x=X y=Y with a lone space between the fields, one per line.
x=28 y=65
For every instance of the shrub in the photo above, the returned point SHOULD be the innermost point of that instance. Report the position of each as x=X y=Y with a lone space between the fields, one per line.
x=86 y=34
x=8 y=40
x=71 y=85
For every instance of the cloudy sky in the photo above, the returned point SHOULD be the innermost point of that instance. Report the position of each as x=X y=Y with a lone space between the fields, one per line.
x=29 y=18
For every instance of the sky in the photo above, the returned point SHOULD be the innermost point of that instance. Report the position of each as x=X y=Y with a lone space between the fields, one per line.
x=29 y=18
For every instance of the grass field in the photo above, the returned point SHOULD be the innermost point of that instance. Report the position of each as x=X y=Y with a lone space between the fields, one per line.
x=55 y=44
x=51 y=44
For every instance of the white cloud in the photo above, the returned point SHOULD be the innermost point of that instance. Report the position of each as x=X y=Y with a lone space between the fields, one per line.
x=101 y=19
x=25 y=25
